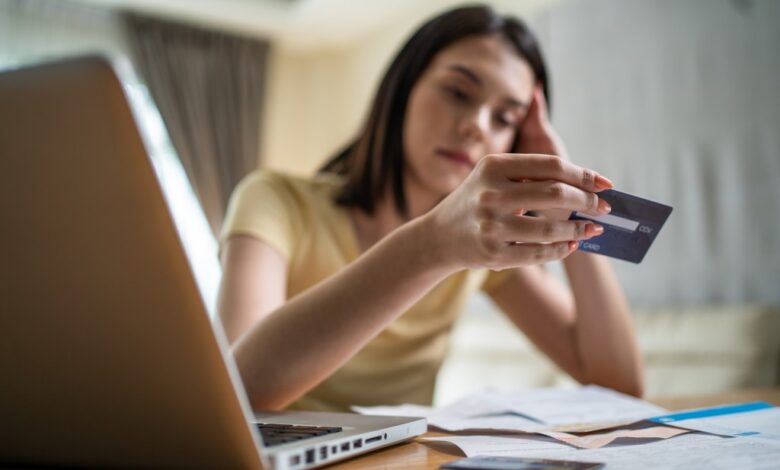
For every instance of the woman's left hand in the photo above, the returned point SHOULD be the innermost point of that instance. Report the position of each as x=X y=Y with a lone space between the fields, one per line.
x=537 y=135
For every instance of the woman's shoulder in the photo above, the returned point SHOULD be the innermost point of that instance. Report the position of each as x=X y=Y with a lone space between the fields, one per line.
x=288 y=184
x=278 y=207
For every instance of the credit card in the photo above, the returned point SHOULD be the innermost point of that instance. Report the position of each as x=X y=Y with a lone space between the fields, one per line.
x=629 y=229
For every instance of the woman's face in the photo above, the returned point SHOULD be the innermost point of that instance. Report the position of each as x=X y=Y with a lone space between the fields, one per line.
x=468 y=103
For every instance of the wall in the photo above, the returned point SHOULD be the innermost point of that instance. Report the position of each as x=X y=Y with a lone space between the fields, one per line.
x=679 y=102
x=675 y=101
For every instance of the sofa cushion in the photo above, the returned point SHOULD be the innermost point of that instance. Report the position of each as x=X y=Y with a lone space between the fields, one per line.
x=687 y=350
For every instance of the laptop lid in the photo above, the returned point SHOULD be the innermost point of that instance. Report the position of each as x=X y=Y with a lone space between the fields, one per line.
x=107 y=356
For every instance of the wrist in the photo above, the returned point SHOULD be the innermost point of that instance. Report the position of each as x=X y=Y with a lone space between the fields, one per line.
x=423 y=236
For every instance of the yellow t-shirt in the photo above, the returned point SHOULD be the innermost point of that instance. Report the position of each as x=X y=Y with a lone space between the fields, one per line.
x=299 y=217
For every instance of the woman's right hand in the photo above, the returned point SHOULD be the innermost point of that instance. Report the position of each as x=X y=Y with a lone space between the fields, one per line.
x=483 y=223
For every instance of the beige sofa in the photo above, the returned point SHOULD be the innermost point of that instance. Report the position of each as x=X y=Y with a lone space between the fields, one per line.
x=687 y=351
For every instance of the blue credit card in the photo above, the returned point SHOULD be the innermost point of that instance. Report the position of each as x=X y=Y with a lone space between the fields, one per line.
x=629 y=229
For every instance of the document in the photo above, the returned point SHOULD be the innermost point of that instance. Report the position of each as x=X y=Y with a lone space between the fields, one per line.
x=587 y=408
x=558 y=440
x=501 y=446
x=639 y=431
x=544 y=423
x=758 y=419
x=687 y=451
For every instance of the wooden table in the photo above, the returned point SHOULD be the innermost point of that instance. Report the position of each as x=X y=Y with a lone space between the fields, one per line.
x=416 y=455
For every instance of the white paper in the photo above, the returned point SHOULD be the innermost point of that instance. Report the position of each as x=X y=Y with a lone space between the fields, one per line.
x=416 y=411
x=682 y=452
x=585 y=408
x=589 y=404
x=761 y=424
x=500 y=446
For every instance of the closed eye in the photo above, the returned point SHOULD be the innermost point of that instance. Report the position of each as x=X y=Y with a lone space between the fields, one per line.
x=457 y=93
x=505 y=119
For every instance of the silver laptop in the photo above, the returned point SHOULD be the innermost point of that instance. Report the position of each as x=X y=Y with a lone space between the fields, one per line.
x=107 y=355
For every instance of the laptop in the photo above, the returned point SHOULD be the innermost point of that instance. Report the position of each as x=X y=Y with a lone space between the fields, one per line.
x=107 y=355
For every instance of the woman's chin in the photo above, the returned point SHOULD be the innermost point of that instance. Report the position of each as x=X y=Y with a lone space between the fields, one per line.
x=447 y=183
x=440 y=183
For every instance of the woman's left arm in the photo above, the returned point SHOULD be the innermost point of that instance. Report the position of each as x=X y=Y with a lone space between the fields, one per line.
x=586 y=330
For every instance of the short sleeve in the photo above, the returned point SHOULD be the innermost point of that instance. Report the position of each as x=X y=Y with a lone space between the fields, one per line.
x=495 y=279
x=262 y=206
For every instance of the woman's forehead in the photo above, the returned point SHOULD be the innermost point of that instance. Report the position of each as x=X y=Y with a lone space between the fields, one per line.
x=494 y=60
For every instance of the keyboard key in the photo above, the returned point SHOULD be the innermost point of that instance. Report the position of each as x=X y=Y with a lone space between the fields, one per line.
x=276 y=434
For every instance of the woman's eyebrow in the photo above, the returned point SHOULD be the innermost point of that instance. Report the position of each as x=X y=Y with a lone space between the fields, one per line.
x=470 y=74
x=473 y=77
x=516 y=103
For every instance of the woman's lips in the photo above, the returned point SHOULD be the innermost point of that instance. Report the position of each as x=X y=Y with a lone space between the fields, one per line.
x=456 y=156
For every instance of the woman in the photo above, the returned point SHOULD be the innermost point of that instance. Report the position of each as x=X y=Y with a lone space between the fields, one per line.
x=342 y=289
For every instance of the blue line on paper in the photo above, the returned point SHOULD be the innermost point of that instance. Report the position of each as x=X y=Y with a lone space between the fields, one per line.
x=710 y=412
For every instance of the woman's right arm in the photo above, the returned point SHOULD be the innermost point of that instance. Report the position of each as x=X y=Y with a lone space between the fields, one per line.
x=283 y=348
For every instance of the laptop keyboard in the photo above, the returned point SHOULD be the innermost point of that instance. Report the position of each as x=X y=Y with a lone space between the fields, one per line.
x=276 y=434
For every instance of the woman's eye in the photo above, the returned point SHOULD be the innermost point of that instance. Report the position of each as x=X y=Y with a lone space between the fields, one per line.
x=504 y=121
x=457 y=93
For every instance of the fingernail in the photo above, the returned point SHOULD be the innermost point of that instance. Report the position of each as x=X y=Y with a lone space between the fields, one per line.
x=573 y=245
x=604 y=207
x=603 y=183
x=592 y=230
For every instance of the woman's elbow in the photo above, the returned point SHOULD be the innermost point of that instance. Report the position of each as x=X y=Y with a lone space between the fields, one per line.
x=633 y=385
x=261 y=398
x=629 y=383
x=265 y=403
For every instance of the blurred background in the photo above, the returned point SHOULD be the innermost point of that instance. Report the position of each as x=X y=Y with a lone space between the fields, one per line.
x=675 y=101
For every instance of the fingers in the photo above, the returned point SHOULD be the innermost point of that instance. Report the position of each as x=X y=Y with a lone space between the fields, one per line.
x=537 y=112
x=508 y=182
x=525 y=254
x=541 y=103
x=542 y=195
x=507 y=168
x=522 y=240
x=535 y=230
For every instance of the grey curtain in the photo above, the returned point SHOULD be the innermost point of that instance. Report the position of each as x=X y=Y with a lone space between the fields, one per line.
x=208 y=87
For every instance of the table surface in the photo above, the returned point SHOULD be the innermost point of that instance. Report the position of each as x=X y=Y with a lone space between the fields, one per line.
x=416 y=455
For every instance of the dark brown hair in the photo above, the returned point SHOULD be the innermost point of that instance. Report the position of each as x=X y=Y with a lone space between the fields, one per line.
x=376 y=158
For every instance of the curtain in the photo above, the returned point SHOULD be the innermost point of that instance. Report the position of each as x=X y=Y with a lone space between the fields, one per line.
x=208 y=87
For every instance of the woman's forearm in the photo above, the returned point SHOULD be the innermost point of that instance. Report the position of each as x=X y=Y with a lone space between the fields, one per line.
x=606 y=342
x=312 y=335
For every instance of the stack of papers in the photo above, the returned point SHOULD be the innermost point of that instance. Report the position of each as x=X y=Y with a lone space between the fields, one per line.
x=552 y=412
x=599 y=425
x=585 y=408
x=683 y=452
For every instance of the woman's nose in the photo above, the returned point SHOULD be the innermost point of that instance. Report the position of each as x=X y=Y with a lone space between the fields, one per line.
x=476 y=124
